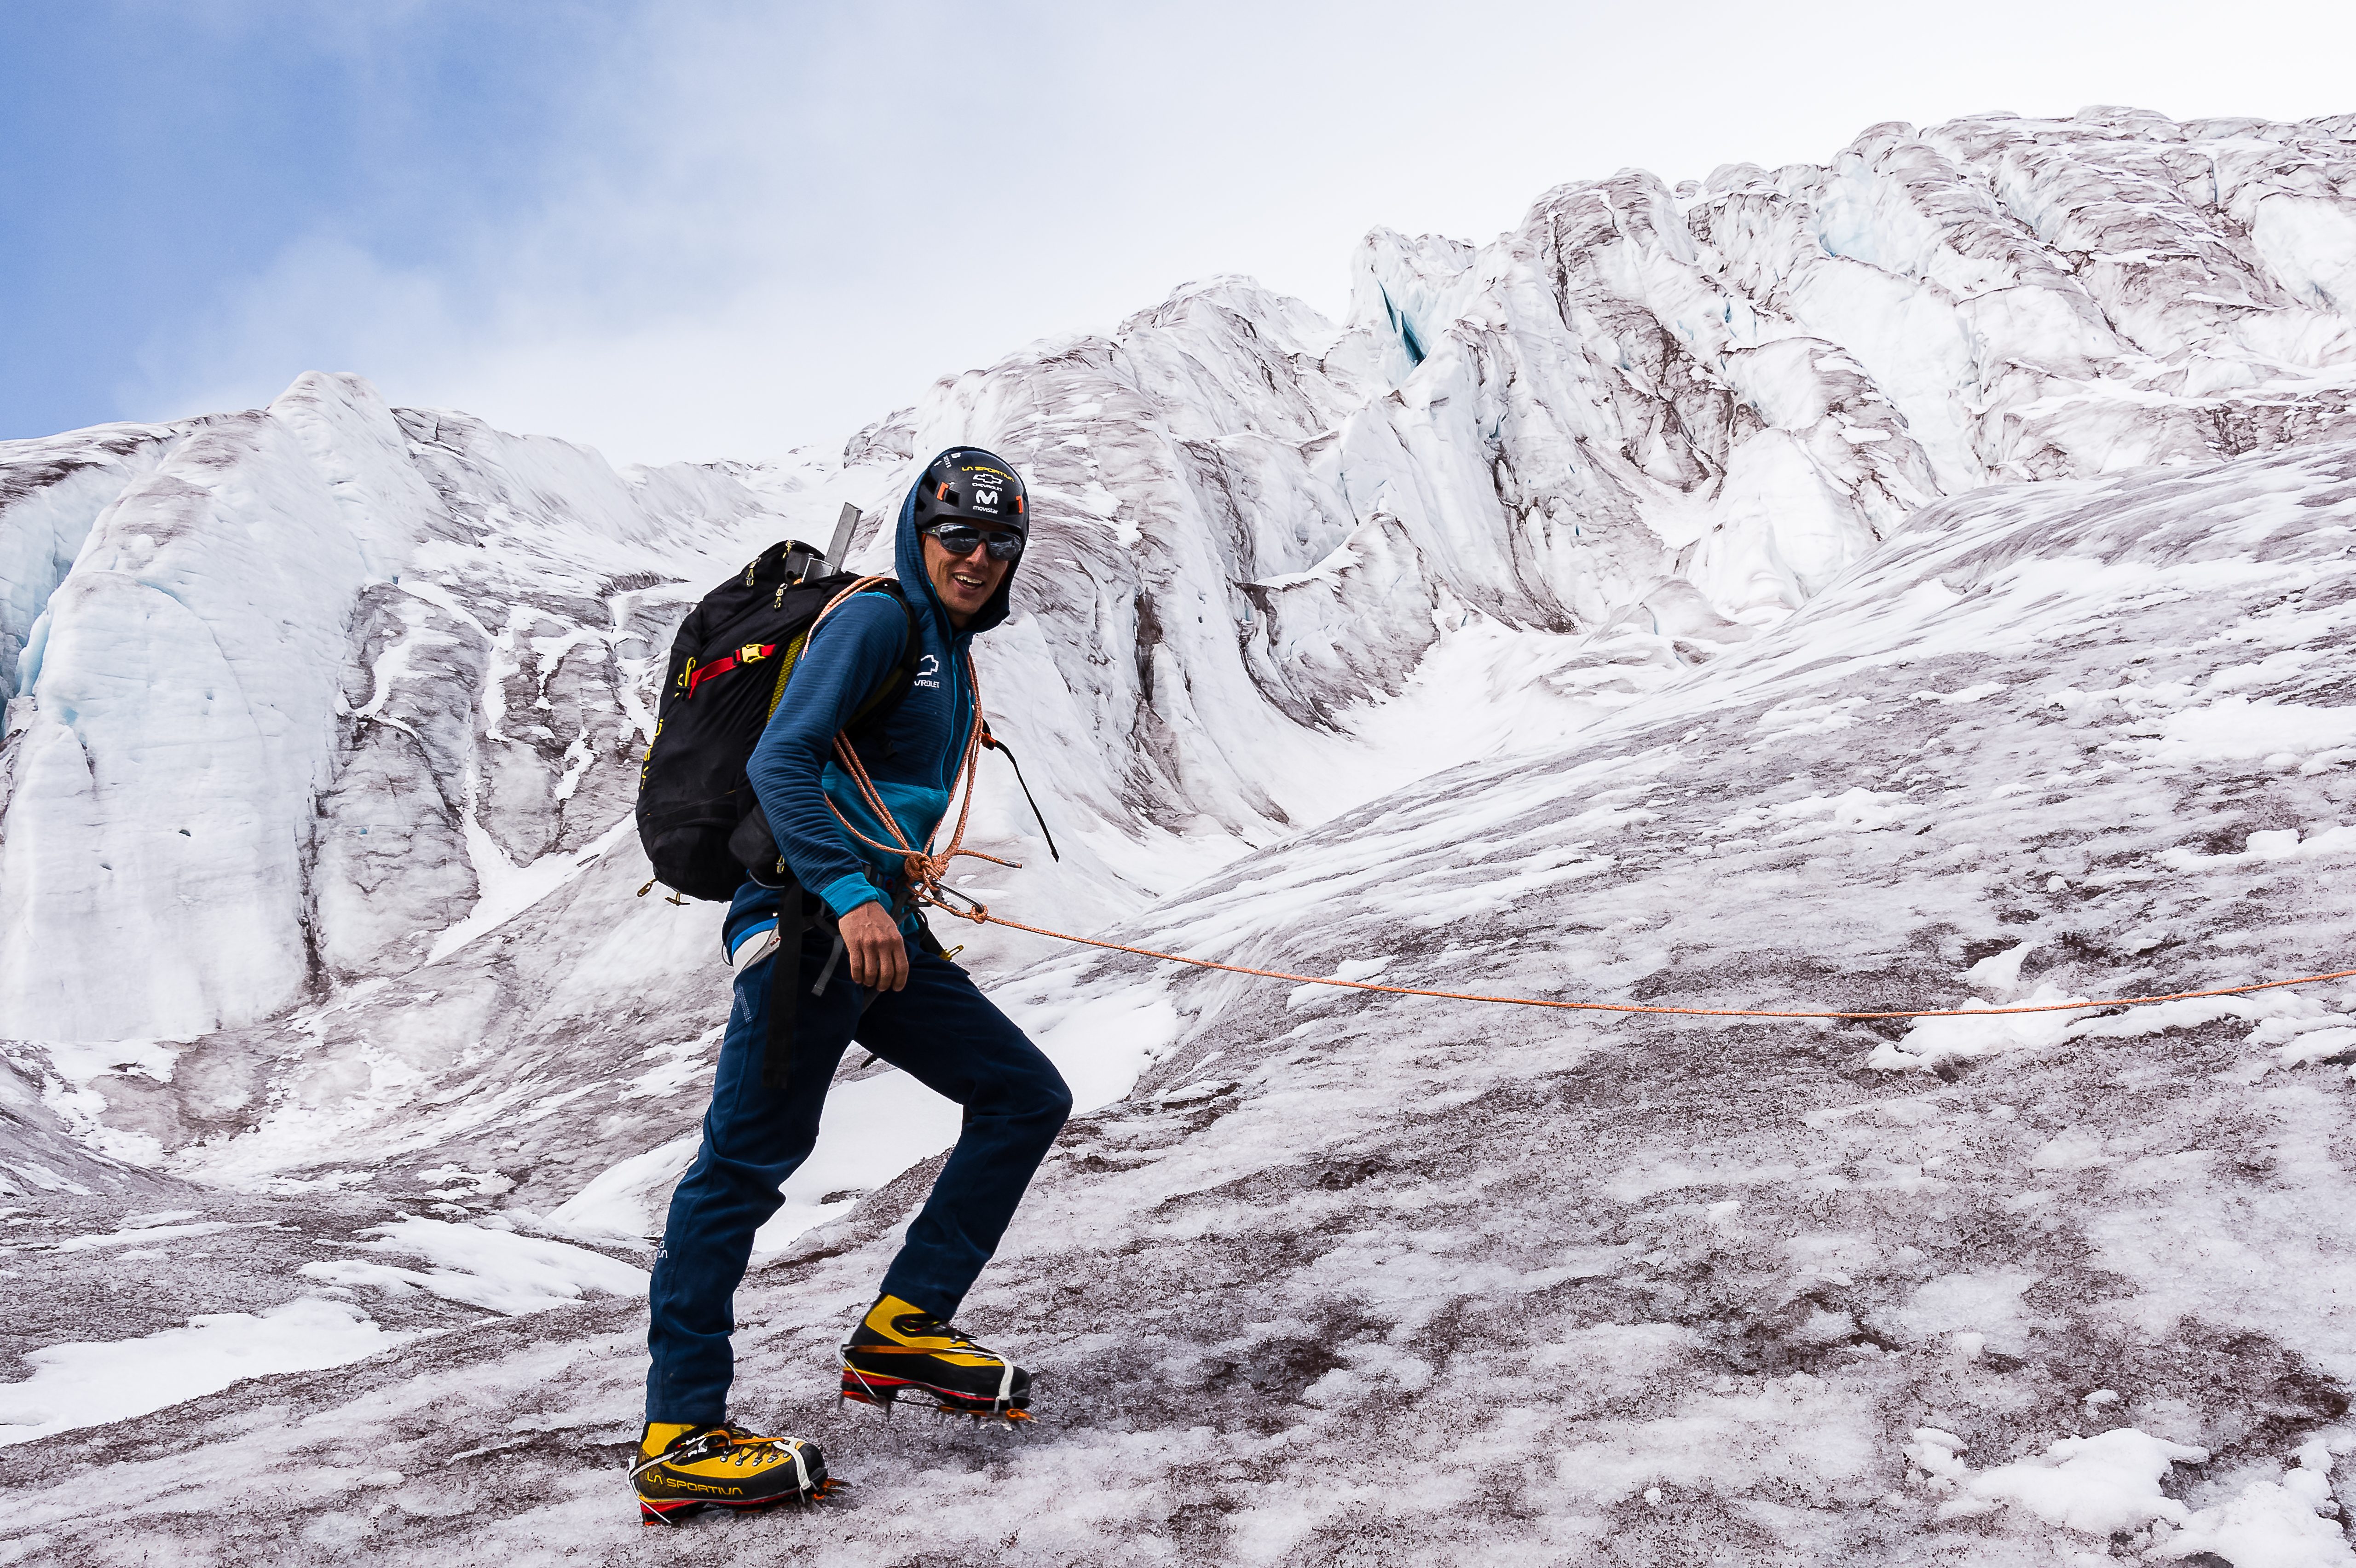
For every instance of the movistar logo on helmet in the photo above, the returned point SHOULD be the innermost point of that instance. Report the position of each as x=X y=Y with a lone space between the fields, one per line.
x=990 y=488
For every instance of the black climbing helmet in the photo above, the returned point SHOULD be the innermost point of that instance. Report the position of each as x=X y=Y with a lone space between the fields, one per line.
x=968 y=485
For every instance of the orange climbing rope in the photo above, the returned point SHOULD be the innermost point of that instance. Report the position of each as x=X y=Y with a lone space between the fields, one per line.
x=925 y=870
x=981 y=915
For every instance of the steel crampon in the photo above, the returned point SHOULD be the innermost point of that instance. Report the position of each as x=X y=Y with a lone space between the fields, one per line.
x=883 y=1393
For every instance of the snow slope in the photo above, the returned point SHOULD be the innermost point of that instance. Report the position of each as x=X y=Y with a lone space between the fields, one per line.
x=1582 y=618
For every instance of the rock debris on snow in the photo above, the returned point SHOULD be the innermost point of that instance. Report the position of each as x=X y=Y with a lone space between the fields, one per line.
x=1921 y=580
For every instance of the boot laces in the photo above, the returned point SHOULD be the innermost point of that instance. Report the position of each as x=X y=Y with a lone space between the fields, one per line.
x=727 y=1441
x=958 y=1340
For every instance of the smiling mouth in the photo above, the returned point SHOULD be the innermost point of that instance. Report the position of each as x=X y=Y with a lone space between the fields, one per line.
x=972 y=583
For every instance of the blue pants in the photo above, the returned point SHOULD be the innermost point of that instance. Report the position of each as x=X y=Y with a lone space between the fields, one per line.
x=942 y=1032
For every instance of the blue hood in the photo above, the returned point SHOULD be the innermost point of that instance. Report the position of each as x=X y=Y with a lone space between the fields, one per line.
x=908 y=562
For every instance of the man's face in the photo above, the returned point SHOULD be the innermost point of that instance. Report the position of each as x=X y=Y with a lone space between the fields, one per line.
x=965 y=583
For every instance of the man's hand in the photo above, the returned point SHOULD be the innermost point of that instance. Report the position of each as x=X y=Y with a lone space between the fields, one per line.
x=879 y=953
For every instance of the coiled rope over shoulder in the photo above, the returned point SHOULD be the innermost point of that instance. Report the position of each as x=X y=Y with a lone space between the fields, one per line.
x=925 y=870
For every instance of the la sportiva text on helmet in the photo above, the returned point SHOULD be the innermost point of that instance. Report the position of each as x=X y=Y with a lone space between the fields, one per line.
x=972 y=486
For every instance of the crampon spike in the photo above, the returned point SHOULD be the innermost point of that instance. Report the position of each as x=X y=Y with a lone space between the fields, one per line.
x=882 y=1393
x=674 y=1514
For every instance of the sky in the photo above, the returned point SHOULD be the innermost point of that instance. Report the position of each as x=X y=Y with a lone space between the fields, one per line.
x=704 y=228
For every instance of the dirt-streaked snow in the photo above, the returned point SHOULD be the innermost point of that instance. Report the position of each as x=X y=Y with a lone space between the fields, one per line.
x=1922 y=580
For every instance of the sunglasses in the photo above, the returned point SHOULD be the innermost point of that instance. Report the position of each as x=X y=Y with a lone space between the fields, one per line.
x=959 y=539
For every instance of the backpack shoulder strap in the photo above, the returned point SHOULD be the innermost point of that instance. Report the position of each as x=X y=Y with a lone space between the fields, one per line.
x=892 y=689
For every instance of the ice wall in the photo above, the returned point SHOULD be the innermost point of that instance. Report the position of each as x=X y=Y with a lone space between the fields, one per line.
x=329 y=689
x=1742 y=389
x=51 y=491
x=308 y=680
x=1749 y=385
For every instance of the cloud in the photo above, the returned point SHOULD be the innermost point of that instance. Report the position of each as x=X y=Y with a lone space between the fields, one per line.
x=745 y=227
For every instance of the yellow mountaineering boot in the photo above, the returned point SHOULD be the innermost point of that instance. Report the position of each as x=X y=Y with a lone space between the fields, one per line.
x=899 y=1347
x=680 y=1468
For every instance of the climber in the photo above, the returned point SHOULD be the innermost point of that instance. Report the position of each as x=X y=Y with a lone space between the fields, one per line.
x=962 y=532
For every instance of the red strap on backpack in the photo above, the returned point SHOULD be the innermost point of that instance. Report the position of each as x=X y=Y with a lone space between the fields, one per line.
x=751 y=653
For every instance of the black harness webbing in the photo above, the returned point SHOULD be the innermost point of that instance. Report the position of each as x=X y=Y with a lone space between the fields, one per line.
x=794 y=919
x=755 y=848
x=785 y=976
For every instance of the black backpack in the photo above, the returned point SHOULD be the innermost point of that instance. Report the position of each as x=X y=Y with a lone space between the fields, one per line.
x=728 y=670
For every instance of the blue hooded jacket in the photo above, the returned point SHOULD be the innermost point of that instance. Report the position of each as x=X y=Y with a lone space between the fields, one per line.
x=793 y=768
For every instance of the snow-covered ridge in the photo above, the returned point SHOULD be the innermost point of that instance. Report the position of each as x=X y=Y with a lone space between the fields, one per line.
x=1623 y=395
x=246 y=750
x=312 y=701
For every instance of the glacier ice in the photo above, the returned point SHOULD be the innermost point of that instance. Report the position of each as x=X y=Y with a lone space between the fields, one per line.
x=1916 y=576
